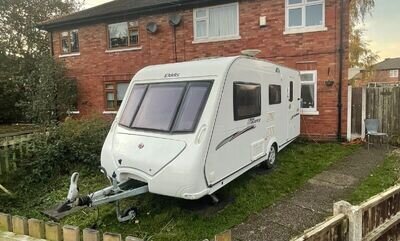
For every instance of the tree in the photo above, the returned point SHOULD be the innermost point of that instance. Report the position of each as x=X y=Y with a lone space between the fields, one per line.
x=49 y=93
x=22 y=47
x=360 y=53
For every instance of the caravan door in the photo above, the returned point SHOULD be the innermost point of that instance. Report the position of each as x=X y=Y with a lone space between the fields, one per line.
x=293 y=108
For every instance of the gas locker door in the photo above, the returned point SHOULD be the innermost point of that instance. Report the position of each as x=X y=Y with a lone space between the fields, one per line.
x=293 y=108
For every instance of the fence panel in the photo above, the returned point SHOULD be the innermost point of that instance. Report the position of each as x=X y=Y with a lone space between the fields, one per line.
x=333 y=229
x=384 y=104
x=381 y=215
x=13 y=148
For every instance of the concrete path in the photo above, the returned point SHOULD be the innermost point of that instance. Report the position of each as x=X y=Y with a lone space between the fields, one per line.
x=312 y=203
x=6 y=236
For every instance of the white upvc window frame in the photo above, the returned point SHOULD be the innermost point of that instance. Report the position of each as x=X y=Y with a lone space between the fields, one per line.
x=303 y=28
x=310 y=111
x=394 y=73
x=207 y=19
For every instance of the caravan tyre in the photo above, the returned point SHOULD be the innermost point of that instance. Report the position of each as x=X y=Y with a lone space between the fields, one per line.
x=270 y=162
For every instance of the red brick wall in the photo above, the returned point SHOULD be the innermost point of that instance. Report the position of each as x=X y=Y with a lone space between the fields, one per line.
x=318 y=50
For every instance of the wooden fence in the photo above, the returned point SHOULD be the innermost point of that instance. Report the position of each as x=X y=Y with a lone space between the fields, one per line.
x=21 y=228
x=378 y=218
x=13 y=148
x=382 y=103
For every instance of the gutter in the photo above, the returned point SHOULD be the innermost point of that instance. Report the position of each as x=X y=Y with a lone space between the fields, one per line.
x=134 y=13
x=341 y=65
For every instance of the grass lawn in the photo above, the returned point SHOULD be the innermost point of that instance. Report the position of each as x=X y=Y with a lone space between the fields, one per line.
x=164 y=218
x=6 y=129
x=383 y=177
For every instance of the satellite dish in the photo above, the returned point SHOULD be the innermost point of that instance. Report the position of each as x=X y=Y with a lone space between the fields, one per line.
x=152 y=27
x=175 y=19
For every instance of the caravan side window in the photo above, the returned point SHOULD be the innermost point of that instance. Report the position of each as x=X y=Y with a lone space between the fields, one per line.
x=274 y=94
x=246 y=100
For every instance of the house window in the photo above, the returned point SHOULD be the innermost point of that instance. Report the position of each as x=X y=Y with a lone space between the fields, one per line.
x=69 y=42
x=246 y=100
x=274 y=92
x=114 y=94
x=305 y=14
x=124 y=34
x=217 y=22
x=309 y=91
x=394 y=73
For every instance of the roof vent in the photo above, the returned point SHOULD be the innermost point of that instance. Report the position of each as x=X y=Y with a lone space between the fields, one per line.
x=250 y=52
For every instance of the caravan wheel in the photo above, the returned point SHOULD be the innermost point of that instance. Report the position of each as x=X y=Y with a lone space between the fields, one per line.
x=270 y=162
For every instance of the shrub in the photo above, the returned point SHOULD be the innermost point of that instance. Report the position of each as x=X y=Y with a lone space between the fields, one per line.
x=395 y=140
x=57 y=149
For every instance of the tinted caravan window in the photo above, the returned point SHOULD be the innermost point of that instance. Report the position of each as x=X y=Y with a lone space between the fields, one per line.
x=274 y=94
x=166 y=107
x=192 y=106
x=159 y=106
x=132 y=106
x=246 y=100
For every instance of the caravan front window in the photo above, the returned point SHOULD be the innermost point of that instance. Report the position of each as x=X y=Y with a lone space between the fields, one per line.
x=166 y=107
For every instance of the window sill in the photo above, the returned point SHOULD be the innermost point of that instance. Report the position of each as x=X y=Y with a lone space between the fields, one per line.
x=309 y=112
x=211 y=40
x=305 y=30
x=123 y=50
x=110 y=112
x=68 y=55
x=73 y=112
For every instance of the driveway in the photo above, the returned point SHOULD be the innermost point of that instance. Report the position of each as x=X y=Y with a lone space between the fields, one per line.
x=312 y=203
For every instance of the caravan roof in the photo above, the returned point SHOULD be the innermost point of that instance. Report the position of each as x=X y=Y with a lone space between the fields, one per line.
x=195 y=68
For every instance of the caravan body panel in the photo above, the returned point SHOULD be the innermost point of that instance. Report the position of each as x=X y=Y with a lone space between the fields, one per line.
x=217 y=148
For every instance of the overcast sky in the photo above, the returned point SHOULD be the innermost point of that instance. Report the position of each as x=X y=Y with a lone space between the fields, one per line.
x=382 y=29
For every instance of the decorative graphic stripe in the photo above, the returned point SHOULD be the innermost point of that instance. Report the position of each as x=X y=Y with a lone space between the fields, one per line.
x=293 y=116
x=234 y=136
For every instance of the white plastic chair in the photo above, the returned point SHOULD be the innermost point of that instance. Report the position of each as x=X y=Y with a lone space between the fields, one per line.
x=372 y=126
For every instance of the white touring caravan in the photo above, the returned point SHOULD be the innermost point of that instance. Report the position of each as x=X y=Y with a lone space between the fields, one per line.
x=187 y=129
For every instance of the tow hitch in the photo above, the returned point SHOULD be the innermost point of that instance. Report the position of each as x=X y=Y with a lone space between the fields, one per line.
x=114 y=193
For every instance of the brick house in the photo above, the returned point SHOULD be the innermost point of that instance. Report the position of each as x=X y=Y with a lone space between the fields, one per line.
x=385 y=73
x=104 y=46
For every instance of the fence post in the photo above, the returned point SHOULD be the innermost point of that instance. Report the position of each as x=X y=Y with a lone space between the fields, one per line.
x=5 y=222
x=91 y=235
x=36 y=228
x=20 y=225
x=354 y=213
x=112 y=237
x=53 y=231
x=349 y=104
x=363 y=111
x=71 y=233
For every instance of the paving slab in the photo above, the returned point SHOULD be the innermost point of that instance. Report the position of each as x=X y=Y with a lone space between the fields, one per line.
x=312 y=203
